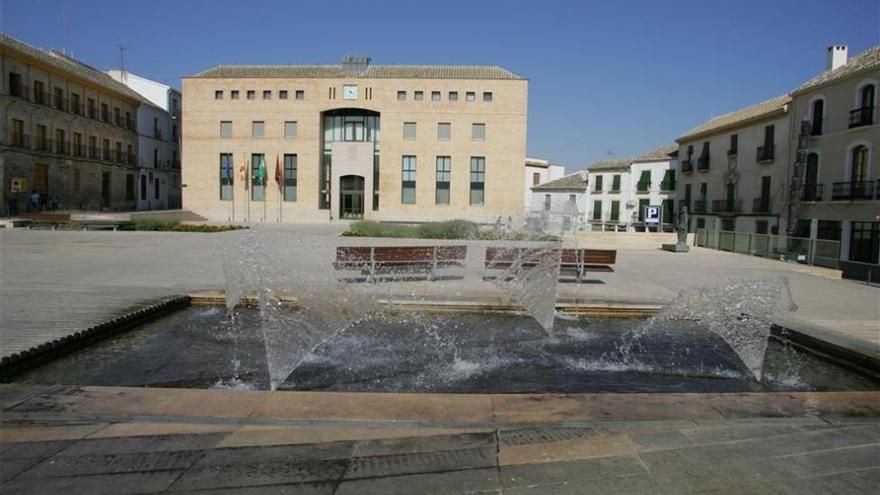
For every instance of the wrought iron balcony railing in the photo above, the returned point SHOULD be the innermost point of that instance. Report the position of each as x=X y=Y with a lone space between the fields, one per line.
x=687 y=166
x=700 y=206
x=726 y=206
x=703 y=163
x=812 y=192
x=861 y=117
x=761 y=205
x=766 y=153
x=858 y=190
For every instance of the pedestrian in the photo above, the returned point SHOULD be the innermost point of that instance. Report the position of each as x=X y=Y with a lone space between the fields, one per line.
x=34 y=201
x=53 y=201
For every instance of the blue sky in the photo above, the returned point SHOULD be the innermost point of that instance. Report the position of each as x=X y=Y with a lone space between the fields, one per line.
x=616 y=77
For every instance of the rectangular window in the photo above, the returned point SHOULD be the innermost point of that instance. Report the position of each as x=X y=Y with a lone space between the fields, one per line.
x=536 y=178
x=267 y=94
x=408 y=180
x=75 y=105
x=597 y=210
x=453 y=96
x=289 y=177
x=105 y=112
x=615 y=182
x=444 y=131
x=17 y=131
x=92 y=108
x=769 y=133
x=598 y=186
x=79 y=148
x=644 y=184
x=401 y=96
x=418 y=95
x=282 y=95
x=444 y=171
x=615 y=211
x=233 y=94
x=155 y=158
x=478 y=132
x=226 y=129
x=487 y=96
x=300 y=94
x=258 y=177
x=290 y=129
x=42 y=134
x=15 y=86
x=478 y=180
x=60 y=144
x=218 y=94
x=435 y=96
x=257 y=129
x=129 y=187
x=105 y=148
x=864 y=243
x=409 y=130
x=470 y=96
x=226 y=177
x=548 y=201
x=251 y=94
x=734 y=144
x=761 y=226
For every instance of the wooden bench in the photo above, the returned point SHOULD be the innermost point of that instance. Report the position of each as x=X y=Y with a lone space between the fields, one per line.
x=576 y=261
x=393 y=261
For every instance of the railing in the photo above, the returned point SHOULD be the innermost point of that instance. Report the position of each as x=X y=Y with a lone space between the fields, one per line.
x=703 y=163
x=731 y=152
x=643 y=186
x=812 y=192
x=107 y=155
x=60 y=103
x=761 y=205
x=131 y=159
x=700 y=206
x=842 y=191
x=687 y=166
x=61 y=147
x=157 y=133
x=766 y=153
x=105 y=116
x=19 y=140
x=117 y=119
x=79 y=150
x=726 y=206
x=667 y=186
x=41 y=143
x=819 y=252
x=861 y=116
x=93 y=152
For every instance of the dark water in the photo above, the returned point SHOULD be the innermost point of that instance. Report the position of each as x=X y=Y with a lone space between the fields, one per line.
x=468 y=353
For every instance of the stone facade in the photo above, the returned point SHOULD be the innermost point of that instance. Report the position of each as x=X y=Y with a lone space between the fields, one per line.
x=67 y=131
x=209 y=100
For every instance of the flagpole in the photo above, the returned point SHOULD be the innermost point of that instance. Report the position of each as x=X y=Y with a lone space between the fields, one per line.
x=231 y=173
x=263 y=179
x=247 y=176
x=280 y=192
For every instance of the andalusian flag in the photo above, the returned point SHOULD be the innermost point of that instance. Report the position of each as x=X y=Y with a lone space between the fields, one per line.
x=261 y=173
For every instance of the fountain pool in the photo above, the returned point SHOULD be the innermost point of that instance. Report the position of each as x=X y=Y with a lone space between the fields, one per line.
x=202 y=347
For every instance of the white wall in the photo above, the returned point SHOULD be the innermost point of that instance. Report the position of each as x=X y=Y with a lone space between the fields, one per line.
x=561 y=207
x=547 y=173
x=607 y=196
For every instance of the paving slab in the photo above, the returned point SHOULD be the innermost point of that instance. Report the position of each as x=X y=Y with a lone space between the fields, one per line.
x=109 y=484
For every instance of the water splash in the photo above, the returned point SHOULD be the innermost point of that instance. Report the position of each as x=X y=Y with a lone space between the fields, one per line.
x=531 y=281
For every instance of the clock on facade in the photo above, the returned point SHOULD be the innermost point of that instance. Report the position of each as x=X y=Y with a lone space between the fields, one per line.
x=349 y=92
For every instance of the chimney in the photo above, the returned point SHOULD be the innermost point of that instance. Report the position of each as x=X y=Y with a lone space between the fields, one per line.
x=836 y=57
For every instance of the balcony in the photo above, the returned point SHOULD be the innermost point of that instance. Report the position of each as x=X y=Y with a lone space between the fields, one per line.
x=79 y=150
x=131 y=159
x=18 y=140
x=703 y=163
x=117 y=120
x=731 y=152
x=861 y=117
x=60 y=103
x=18 y=91
x=93 y=152
x=761 y=205
x=812 y=192
x=852 y=191
x=687 y=166
x=667 y=186
x=727 y=206
x=157 y=133
x=766 y=153
x=93 y=113
x=105 y=116
x=700 y=206
x=61 y=147
x=643 y=187
x=41 y=143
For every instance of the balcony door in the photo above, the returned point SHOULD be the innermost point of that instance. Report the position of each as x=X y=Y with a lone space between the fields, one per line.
x=859 y=167
x=811 y=179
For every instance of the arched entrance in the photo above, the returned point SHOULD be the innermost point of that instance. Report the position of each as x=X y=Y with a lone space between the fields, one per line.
x=351 y=196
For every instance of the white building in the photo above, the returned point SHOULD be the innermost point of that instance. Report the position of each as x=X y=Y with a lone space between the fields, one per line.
x=622 y=188
x=562 y=202
x=538 y=172
x=158 y=160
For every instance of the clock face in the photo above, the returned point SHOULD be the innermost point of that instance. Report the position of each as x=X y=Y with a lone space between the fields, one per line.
x=350 y=92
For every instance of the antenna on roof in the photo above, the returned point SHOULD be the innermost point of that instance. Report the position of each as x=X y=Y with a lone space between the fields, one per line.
x=122 y=74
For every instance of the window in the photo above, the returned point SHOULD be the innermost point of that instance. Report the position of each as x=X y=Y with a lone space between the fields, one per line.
x=129 y=187
x=701 y=223
x=615 y=211
x=105 y=112
x=289 y=177
x=864 y=114
x=864 y=244
x=401 y=96
x=267 y=94
x=734 y=144
x=597 y=210
x=42 y=134
x=435 y=96
x=59 y=99
x=251 y=94
x=15 y=86
x=597 y=187
x=258 y=177
x=282 y=95
x=769 y=132
x=453 y=96
x=92 y=108
x=290 y=130
x=226 y=129
x=536 y=178
x=478 y=180
x=226 y=177
x=470 y=96
x=300 y=94
x=487 y=96
x=444 y=131
x=409 y=130
x=17 y=131
x=75 y=105
x=155 y=158
x=418 y=95
x=218 y=94
x=478 y=132
x=644 y=183
x=60 y=144
x=257 y=128
x=233 y=94
x=78 y=148
x=548 y=200
x=408 y=180
x=615 y=182
x=817 y=117
x=105 y=148
x=444 y=170
x=761 y=226
x=859 y=165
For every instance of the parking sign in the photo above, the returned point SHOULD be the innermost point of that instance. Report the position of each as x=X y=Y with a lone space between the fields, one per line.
x=652 y=214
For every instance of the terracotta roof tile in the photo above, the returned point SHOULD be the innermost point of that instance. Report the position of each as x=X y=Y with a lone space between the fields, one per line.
x=372 y=71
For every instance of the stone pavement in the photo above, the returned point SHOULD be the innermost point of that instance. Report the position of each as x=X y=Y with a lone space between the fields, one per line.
x=56 y=282
x=117 y=440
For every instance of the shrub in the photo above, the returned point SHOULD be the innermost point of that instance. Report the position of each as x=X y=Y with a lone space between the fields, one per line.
x=154 y=225
x=452 y=229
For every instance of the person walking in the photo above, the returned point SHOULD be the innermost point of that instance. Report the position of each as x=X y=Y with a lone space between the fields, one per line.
x=34 y=201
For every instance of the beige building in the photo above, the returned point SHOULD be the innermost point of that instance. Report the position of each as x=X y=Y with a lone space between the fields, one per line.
x=838 y=176
x=733 y=169
x=68 y=132
x=355 y=140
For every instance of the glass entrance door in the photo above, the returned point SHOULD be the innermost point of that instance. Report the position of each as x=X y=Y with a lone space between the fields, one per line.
x=351 y=196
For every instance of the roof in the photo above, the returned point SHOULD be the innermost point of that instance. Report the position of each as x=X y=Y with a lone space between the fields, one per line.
x=663 y=153
x=69 y=65
x=863 y=62
x=372 y=71
x=762 y=110
x=576 y=181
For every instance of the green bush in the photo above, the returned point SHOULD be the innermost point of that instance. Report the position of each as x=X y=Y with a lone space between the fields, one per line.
x=452 y=229
x=154 y=225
